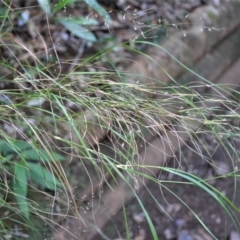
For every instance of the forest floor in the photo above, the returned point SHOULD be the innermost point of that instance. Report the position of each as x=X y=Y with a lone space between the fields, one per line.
x=174 y=217
x=174 y=205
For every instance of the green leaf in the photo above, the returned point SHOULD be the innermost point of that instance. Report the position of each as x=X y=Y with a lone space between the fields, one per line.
x=26 y=151
x=20 y=184
x=43 y=177
x=41 y=155
x=6 y=158
x=81 y=21
x=40 y=182
x=45 y=5
x=77 y=30
x=98 y=8
x=61 y=4
x=21 y=145
x=14 y=146
x=5 y=147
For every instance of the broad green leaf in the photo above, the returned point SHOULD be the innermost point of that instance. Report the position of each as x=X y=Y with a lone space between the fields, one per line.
x=81 y=21
x=5 y=147
x=61 y=4
x=27 y=151
x=14 y=146
x=21 y=145
x=20 y=184
x=98 y=8
x=77 y=30
x=43 y=177
x=41 y=155
x=21 y=178
x=6 y=158
x=45 y=5
x=41 y=182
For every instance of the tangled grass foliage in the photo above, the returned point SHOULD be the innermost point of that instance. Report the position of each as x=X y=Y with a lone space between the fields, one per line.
x=64 y=116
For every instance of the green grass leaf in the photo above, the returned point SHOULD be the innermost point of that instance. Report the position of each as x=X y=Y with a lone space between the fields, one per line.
x=43 y=183
x=5 y=148
x=82 y=20
x=21 y=145
x=43 y=177
x=20 y=185
x=14 y=146
x=77 y=29
x=45 y=5
x=27 y=151
x=6 y=159
x=41 y=155
x=98 y=8
x=61 y=4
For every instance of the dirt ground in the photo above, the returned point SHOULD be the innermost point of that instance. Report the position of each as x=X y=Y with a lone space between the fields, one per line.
x=173 y=207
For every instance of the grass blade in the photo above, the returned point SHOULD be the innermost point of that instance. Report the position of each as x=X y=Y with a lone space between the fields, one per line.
x=41 y=155
x=45 y=5
x=77 y=29
x=20 y=188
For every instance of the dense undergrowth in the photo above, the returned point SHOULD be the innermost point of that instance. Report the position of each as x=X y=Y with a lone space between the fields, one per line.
x=55 y=112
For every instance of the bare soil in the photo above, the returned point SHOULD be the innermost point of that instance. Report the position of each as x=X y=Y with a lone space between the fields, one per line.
x=171 y=205
x=176 y=205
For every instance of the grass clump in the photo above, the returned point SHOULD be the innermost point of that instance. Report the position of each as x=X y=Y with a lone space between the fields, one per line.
x=53 y=119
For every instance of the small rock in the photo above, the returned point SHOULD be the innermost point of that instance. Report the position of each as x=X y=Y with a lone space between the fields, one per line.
x=204 y=235
x=184 y=235
x=139 y=217
x=64 y=36
x=211 y=180
x=234 y=236
x=71 y=104
x=169 y=234
x=216 y=3
x=10 y=129
x=210 y=139
x=179 y=223
x=221 y=168
x=36 y=102
x=173 y=208
x=121 y=3
x=218 y=220
x=141 y=235
x=24 y=18
x=197 y=237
